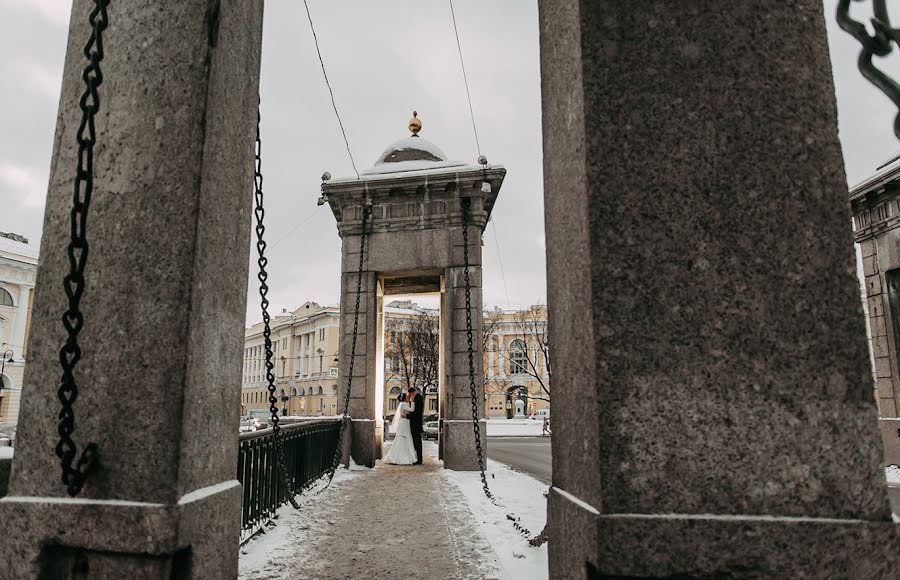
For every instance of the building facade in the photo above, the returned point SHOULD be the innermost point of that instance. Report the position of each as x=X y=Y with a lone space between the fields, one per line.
x=304 y=352
x=18 y=267
x=515 y=353
x=517 y=362
x=876 y=224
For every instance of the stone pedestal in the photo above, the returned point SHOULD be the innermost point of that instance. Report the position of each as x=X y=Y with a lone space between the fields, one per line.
x=717 y=415
x=160 y=378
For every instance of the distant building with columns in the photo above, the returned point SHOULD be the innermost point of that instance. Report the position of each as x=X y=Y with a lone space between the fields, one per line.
x=304 y=349
x=18 y=266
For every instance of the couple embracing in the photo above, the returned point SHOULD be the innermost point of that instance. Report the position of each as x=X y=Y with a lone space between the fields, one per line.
x=407 y=446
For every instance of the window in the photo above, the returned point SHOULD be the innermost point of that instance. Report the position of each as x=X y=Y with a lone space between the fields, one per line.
x=302 y=391
x=5 y=298
x=321 y=391
x=517 y=361
x=284 y=343
x=321 y=334
x=432 y=405
x=393 y=403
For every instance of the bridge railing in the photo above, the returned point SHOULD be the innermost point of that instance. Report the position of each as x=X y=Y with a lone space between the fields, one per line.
x=309 y=448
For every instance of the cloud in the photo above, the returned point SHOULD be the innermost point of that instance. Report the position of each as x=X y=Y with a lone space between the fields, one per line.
x=53 y=12
x=28 y=187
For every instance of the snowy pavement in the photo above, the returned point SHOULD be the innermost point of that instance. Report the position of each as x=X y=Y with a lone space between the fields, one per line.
x=404 y=522
x=514 y=427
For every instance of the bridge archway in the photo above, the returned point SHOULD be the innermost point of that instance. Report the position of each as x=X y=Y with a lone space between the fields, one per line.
x=408 y=211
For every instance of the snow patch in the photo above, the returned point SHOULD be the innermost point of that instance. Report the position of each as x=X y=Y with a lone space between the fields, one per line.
x=520 y=495
x=892 y=473
x=6 y=452
x=514 y=427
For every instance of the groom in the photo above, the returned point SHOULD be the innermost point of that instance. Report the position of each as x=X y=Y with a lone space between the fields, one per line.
x=415 y=421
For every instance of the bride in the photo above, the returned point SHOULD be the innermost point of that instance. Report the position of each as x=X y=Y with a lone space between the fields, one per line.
x=402 y=451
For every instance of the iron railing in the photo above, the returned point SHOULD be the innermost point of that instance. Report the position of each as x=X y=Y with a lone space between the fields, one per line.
x=308 y=450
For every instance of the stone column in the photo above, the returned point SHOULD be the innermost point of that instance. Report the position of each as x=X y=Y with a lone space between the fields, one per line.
x=459 y=438
x=160 y=378
x=17 y=338
x=715 y=416
x=366 y=436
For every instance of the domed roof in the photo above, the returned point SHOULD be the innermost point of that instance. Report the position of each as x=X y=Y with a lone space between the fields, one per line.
x=412 y=153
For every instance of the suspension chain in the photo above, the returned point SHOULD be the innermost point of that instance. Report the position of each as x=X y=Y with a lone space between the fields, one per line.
x=479 y=452
x=260 y=213
x=336 y=460
x=77 y=251
x=465 y=204
x=880 y=43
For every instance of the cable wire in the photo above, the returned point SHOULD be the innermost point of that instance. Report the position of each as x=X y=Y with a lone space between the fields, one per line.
x=462 y=64
x=298 y=226
x=500 y=260
x=330 y=91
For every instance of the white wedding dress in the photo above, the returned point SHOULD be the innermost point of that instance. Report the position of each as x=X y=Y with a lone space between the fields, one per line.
x=402 y=451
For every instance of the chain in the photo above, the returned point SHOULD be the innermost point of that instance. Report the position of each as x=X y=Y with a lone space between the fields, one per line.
x=479 y=452
x=465 y=203
x=336 y=460
x=880 y=43
x=77 y=251
x=260 y=213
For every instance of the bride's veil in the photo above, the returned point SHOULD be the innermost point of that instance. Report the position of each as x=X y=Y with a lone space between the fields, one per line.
x=395 y=424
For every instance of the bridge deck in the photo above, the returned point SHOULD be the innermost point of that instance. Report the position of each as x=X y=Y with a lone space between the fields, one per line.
x=387 y=522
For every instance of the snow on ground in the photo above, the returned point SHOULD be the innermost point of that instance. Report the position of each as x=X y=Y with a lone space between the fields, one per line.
x=520 y=495
x=514 y=427
x=275 y=540
x=892 y=472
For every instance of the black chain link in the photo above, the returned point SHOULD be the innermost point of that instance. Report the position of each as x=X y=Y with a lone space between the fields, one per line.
x=260 y=213
x=465 y=204
x=77 y=251
x=880 y=43
x=366 y=211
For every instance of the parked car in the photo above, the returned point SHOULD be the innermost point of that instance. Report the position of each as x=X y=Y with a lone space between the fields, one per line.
x=430 y=430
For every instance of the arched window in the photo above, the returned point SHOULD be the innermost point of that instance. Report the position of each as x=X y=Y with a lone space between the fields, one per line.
x=302 y=391
x=293 y=392
x=321 y=390
x=518 y=364
x=393 y=403
x=5 y=298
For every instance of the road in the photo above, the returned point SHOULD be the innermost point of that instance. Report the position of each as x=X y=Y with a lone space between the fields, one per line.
x=528 y=454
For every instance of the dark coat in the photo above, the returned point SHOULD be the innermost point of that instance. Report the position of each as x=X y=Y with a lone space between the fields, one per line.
x=415 y=418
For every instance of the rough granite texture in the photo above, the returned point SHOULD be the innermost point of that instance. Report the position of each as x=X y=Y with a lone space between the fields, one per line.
x=703 y=301
x=164 y=328
x=414 y=234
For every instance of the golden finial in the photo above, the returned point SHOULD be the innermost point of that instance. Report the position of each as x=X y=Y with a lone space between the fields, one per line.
x=415 y=125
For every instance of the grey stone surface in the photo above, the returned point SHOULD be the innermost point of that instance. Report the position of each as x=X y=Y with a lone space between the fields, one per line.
x=459 y=445
x=414 y=235
x=164 y=328
x=703 y=306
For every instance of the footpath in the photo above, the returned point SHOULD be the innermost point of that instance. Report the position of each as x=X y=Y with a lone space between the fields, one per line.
x=403 y=522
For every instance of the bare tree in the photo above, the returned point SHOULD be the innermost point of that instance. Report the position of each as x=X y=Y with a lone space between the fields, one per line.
x=492 y=319
x=531 y=328
x=415 y=348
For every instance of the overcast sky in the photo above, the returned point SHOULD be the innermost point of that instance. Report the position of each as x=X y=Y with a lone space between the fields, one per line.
x=384 y=59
